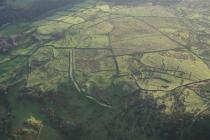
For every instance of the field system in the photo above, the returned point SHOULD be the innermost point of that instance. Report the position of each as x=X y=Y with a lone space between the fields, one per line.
x=149 y=46
x=157 y=50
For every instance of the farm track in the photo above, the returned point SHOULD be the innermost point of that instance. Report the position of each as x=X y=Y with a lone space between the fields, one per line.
x=76 y=84
x=71 y=70
x=113 y=56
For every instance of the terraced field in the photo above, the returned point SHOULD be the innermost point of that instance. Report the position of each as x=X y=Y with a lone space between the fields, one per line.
x=83 y=64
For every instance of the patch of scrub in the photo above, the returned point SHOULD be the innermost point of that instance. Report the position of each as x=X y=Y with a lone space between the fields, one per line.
x=12 y=29
x=13 y=70
x=48 y=70
x=193 y=101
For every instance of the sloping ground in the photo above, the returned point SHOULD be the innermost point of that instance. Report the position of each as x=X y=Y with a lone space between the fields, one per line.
x=106 y=71
x=22 y=10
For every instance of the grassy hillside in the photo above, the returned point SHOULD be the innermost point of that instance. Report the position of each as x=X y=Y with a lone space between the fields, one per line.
x=107 y=71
